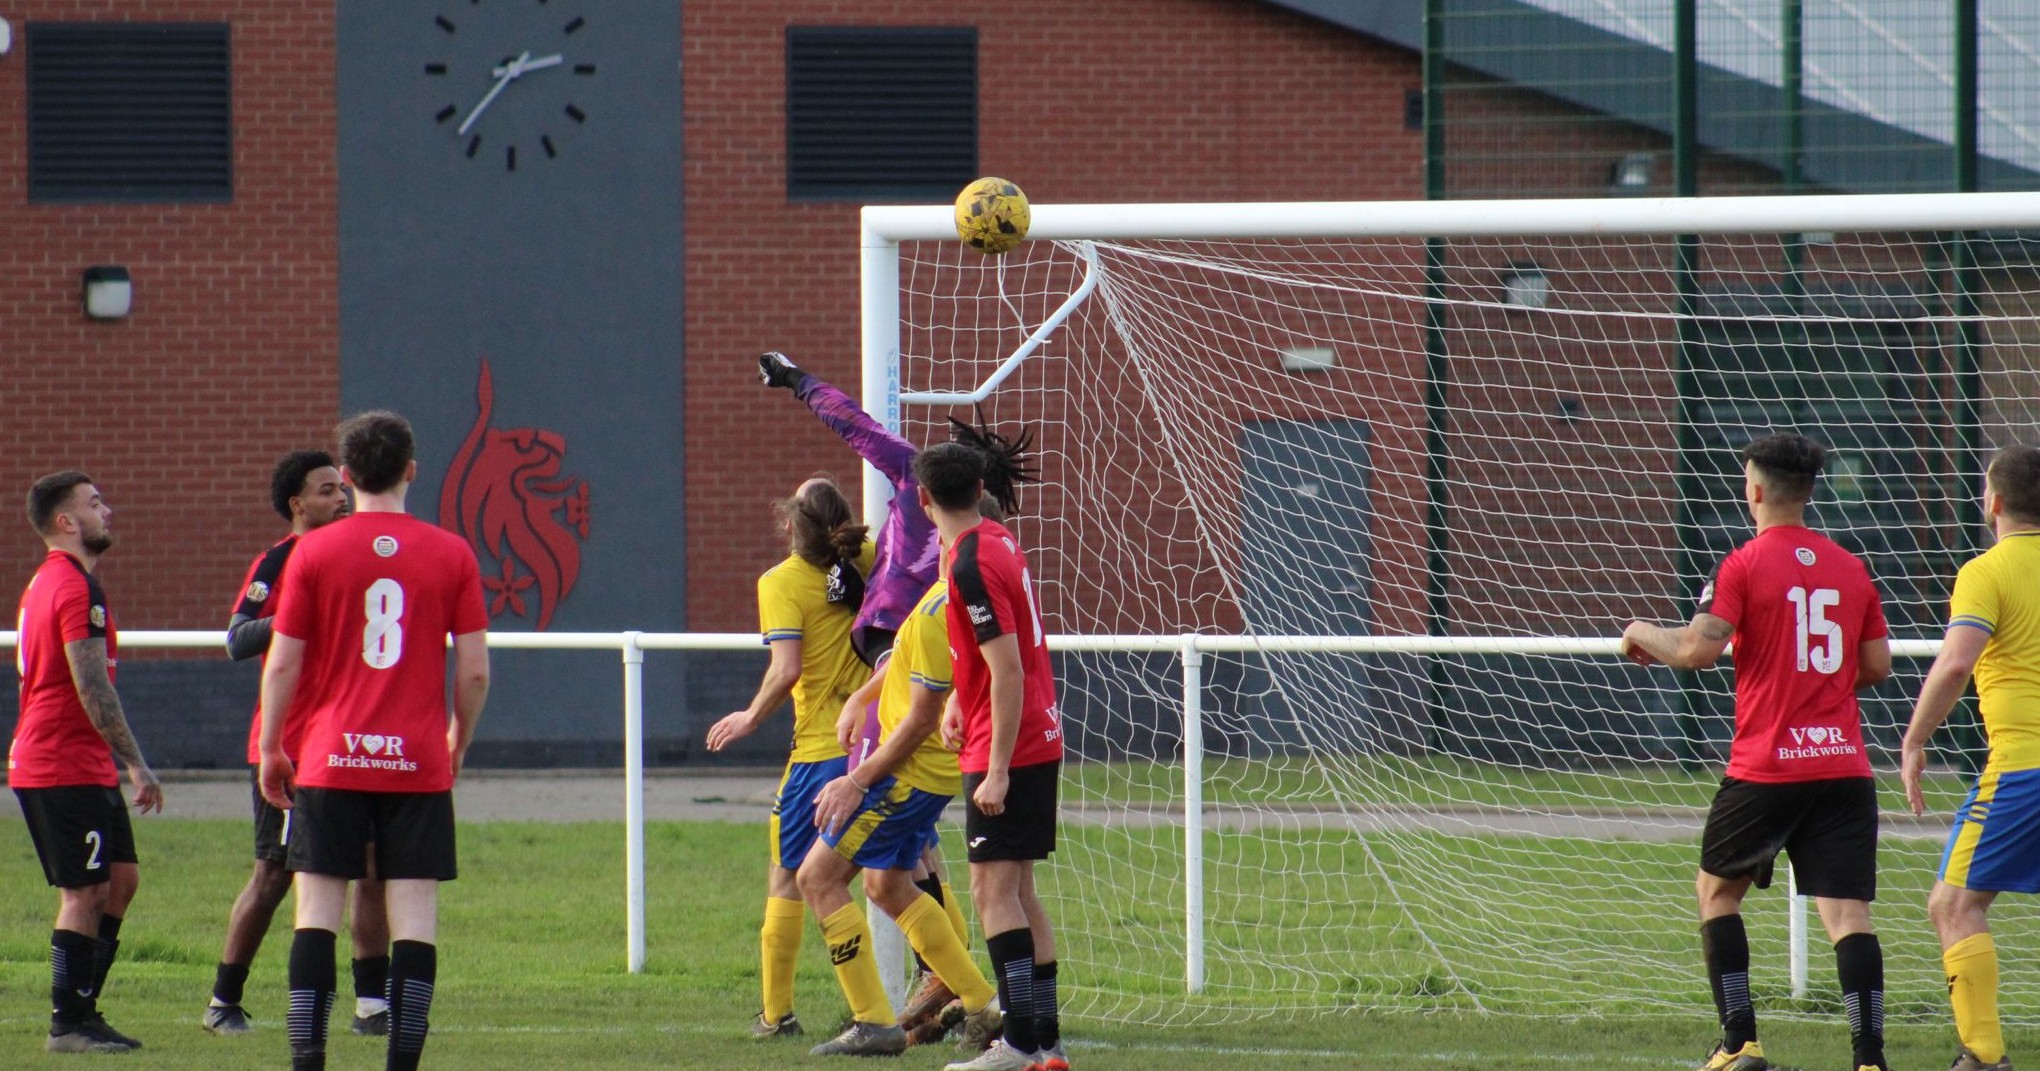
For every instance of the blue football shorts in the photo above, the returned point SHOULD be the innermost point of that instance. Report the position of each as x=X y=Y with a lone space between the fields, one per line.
x=891 y=827
x=1995 y=844
x=793 y=809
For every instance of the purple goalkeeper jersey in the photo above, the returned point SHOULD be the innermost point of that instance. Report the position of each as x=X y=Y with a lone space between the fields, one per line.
x=909 y=554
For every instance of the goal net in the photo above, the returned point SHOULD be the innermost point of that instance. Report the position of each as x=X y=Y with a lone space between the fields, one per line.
x=1405 y=471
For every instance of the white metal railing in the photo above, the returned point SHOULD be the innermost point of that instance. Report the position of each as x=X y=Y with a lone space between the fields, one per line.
x=1189 y=650
x=631 y=646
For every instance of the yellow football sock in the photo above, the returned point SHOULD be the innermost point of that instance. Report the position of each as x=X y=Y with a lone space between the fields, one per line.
x=849 y=940
x=779 y=943
x=933 y=937
x=1972 y=989
x=954 y=910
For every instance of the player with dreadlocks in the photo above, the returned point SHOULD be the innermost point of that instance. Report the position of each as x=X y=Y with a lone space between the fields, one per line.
x=905 y=567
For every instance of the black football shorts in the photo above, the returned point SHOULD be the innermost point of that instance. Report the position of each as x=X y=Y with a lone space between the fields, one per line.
x=333 y=830
x=1827 y=828
x=79 y=832
x=1025 y=829
x=272 y=825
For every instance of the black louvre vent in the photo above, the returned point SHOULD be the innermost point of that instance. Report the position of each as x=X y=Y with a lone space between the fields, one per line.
x=880 y=113
x=123 y=111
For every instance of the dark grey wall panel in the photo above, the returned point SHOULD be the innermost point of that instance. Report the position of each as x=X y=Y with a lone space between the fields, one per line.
x=545 y=240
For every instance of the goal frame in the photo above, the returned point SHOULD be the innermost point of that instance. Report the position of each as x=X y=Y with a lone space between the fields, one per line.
x=884 y=229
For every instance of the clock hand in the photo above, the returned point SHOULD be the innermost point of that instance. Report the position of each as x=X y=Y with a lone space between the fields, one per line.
x=507 y=74
x=527 y=66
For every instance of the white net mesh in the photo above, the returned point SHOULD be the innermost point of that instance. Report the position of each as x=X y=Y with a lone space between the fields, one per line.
x=1288 y=439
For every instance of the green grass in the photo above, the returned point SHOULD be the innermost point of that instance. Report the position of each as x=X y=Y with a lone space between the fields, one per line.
x=1319 y=921
x=531 y=970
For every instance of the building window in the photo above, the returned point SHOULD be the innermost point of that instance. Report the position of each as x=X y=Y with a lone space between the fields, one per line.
x=129 y=112
x=880 y=113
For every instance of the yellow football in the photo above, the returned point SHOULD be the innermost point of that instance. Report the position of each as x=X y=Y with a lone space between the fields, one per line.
x=991 y=215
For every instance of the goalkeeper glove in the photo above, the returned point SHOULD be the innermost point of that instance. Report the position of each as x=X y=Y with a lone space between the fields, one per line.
x=776 y=369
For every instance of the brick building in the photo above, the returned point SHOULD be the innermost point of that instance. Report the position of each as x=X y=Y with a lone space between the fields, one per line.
x=580 y=294
x=235 y=350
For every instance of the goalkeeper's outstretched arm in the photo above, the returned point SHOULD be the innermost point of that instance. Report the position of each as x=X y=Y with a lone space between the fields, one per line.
x=888 y=453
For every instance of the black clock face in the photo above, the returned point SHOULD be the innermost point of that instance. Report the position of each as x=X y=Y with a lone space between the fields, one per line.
x=504 y=95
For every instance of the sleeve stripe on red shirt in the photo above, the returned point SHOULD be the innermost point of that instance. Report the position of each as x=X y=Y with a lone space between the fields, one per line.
x=267 y=571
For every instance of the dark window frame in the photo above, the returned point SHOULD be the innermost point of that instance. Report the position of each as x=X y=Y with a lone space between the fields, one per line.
x=880 y=113
x=171 y=140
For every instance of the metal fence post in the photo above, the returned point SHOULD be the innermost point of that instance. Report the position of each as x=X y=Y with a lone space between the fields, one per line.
x=1193 y=815
x=634 y=797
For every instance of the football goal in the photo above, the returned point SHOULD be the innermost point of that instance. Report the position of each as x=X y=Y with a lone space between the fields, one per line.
x=1368 y=490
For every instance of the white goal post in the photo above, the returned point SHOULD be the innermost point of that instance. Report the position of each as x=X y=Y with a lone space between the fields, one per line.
x=1385 y=479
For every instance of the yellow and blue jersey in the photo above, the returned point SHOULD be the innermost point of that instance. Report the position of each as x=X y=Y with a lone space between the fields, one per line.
x=1995 y=592
x=920 y=660
x=793 y=604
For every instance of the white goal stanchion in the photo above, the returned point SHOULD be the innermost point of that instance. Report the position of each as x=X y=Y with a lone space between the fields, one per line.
x=1444 y=433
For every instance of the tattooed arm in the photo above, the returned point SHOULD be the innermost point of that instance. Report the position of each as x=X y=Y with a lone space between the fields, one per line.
x=102 y=704
x=1697 y=645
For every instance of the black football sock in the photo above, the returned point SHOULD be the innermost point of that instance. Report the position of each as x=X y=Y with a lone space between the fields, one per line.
x=1859 y=963
x=372 y=978
x=1013 y=963
x=74 y=959
x=1047 y=1020
x=414 y=969
x=109 y=947
x=230 y=980
x=312 y=981
x=1725 y=945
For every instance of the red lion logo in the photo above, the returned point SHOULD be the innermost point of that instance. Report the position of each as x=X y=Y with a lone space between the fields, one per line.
x=504 y=495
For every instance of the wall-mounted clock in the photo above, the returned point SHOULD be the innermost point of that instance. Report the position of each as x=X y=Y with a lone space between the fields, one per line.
x=484 y=95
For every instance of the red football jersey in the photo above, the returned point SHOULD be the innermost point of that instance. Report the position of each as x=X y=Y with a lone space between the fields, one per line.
x=991 y=595
x=1801 y=606
x=374 y=597
x=54 y=742
x=258 y=600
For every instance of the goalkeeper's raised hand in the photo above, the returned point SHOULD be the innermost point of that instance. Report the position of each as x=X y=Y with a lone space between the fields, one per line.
x=776 y=369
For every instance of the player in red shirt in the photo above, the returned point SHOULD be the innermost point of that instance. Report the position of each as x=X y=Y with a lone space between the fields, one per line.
x=306 y=490
x=1004 y=713
x=1809 y=632
x=358 y=655
x=70 y=730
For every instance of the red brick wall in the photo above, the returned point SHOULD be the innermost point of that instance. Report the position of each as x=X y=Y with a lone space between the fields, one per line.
x=1101 y=100
x=231 y=355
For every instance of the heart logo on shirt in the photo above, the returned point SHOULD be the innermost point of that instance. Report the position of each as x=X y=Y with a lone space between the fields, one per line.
x=373 y=743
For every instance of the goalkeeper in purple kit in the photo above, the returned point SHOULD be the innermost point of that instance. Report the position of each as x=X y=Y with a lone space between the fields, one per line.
x=909 y=554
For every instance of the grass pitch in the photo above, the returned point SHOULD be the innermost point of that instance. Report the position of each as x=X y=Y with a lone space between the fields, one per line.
x=532 y=976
